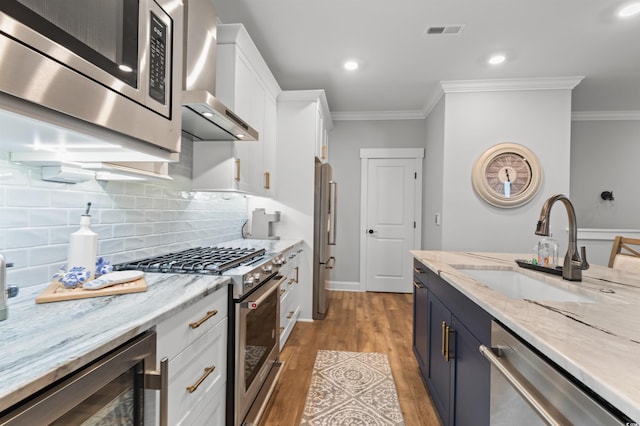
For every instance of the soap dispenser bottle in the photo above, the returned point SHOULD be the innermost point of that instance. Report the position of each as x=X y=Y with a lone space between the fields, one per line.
x=83 y=246
x=548 y=252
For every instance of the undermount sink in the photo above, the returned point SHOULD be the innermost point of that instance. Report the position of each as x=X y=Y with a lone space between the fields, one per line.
x=519 y=286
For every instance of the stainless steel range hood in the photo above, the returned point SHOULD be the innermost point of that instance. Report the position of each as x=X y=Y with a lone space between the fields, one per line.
x=203 y=116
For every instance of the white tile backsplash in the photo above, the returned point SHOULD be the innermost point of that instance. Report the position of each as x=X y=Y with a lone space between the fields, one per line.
x=133 y=219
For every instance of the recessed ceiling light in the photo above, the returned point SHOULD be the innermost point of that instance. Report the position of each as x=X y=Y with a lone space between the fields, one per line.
x=351 y=65
x=497 y=59
x=629 y=10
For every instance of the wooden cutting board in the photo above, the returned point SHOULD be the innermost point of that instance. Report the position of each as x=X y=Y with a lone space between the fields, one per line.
x=56 y=292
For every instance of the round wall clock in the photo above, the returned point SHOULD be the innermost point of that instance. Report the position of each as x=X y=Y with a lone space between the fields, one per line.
x=507 y=175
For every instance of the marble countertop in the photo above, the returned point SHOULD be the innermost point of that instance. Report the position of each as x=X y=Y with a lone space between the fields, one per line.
x=40 y=343
x=598 y=343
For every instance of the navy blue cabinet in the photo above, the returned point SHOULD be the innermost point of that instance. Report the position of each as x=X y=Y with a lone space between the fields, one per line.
x=421 y=324
x=456 y=374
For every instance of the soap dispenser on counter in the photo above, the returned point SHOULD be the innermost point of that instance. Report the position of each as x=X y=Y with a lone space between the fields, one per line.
x=83 y=246
x=547 y=250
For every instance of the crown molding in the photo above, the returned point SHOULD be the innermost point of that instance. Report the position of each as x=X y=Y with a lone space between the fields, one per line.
x=497 y=85
x=378 y=115
x=605 y=115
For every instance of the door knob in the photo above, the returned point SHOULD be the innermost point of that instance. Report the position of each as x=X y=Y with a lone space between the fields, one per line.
x=371 y=231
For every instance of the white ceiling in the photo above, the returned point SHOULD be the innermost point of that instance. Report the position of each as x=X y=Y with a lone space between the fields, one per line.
x=304 y=42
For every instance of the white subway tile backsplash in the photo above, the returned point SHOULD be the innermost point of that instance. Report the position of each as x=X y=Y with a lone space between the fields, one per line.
x=17 y=197
x=13 y=218
x=133 y=220
x=27 y=237
x=47 y=217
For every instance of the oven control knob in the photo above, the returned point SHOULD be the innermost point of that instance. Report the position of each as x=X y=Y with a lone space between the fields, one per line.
x=278 y=261
x=248 y=282
x=267 y=268
x=256 y=276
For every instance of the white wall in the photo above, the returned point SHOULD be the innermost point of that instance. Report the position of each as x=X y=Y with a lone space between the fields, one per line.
x=345 y=141
x=433 y=173
x=475 y=121
x=604 y=157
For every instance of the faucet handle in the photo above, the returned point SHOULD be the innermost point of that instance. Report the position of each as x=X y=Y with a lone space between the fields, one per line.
x=584 y=265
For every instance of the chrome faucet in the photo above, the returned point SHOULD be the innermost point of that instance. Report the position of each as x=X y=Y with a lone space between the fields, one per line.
x=574 y=264
x=5 y=291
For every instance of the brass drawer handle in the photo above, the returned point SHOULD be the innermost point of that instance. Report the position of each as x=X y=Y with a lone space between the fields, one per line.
x=201 y=321
x=290 y=314
x=417 y=271
x=207 y=371
x=297 y=274
x=281 y=330
x=283 y=291
x=267 y=180
x=237 y=170
x=291 y=281
x=447 y=354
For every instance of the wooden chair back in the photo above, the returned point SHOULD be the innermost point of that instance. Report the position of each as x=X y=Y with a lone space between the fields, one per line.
x=625 y=254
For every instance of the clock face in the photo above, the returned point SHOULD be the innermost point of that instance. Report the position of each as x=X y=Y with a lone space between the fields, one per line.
x=507 y=175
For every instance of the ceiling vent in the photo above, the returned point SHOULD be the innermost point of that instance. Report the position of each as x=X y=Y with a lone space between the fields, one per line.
x=442 y=30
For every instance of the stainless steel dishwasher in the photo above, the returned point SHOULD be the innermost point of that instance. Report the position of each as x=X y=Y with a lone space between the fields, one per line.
x=527 y=389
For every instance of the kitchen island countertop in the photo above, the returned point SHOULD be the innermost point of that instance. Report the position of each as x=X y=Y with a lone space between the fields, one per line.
x=41 y=343
x=598 y=343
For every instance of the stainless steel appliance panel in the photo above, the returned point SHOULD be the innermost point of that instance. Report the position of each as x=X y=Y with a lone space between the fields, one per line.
x=526 y=389
x=325 y=191
x=107 y=391
x=257 y=333
x=112 y=67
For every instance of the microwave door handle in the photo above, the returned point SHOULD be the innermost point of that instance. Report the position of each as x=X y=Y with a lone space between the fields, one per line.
x=333 y=202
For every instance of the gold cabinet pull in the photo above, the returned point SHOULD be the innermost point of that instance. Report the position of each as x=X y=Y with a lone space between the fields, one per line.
x=324 y=151
x=237 y=170
x=447 y=353
x=444 y=339
x=290 y=314
x=415 y=284
x=201 y=321
x=267 y=180
x=417 y=271
x=283 y=291
x=281 y=330
x=207 y=371
x=297 y=268
x=291 y=281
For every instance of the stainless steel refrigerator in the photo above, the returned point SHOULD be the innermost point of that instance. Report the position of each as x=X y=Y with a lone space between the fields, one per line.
x=324 y=235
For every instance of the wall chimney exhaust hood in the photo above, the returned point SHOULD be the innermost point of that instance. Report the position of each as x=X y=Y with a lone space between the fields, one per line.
x=204 y=117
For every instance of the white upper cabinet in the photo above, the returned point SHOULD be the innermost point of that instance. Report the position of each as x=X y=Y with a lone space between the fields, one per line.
x=245 y=84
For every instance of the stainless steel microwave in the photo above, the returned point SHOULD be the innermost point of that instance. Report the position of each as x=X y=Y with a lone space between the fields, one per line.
x=115 y=64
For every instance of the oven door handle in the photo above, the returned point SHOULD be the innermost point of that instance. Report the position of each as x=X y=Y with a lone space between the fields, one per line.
x=256 y=303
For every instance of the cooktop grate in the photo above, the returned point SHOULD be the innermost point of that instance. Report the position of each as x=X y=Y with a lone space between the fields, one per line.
x=199 y=260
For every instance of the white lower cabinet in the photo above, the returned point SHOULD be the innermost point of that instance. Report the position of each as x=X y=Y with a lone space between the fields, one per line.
x=195 y=343
x=289 y=294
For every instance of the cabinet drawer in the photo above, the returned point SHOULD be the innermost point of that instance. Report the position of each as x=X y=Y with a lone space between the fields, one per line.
x=188 y=369
x=176 y=333
x=208 y=413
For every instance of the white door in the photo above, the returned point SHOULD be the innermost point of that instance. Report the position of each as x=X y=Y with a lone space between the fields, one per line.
x=391 y=229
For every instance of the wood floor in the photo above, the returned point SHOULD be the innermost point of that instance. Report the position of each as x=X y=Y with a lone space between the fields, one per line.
x=359 y=322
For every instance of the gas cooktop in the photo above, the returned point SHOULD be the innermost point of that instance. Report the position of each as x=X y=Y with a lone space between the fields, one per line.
x=199 y=260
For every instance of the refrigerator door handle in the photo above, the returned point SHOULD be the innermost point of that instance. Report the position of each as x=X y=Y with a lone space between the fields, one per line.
x=333 y=202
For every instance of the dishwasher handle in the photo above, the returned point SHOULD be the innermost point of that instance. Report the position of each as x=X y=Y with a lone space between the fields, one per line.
x=523 y=388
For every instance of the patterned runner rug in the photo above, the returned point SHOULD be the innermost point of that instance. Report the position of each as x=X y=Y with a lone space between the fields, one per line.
x=351 y=388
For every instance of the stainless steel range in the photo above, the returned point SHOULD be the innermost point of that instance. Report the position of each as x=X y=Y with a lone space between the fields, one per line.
x=254 y=318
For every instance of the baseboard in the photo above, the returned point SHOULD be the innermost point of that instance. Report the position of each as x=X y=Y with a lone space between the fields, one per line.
x=344 y=286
